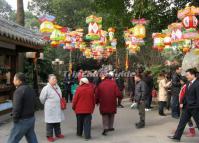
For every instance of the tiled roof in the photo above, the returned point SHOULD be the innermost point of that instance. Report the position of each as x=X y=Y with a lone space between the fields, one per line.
x=18 y=33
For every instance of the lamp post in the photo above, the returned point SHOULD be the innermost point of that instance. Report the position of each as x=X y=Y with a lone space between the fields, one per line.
x=35 y=56
x=58 y=62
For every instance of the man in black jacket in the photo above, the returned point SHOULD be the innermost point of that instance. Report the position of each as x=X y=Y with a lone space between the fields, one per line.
x=23 y=111
x=190 y=104
x=175 y=90
x=140 y=96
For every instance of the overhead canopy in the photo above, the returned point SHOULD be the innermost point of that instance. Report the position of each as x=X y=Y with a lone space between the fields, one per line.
x=24 y=39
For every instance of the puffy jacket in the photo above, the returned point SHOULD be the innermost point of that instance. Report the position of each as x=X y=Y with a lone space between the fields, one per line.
x=84 y=99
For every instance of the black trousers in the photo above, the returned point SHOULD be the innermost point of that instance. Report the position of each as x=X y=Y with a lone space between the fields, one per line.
x=185 y=118
x=53 y=126
x=161 y=107
x=148 y=100
x=69 y=96
x=84 y=124
x=175 y=106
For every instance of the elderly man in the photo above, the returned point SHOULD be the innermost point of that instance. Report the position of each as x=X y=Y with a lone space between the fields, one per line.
x=23 y=111
x=107 y=93
x=83 y=105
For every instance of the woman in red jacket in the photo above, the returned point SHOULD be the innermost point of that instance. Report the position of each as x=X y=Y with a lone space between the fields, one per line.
x=83 y=105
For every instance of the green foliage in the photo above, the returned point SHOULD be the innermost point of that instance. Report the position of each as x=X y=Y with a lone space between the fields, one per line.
x=5 y=9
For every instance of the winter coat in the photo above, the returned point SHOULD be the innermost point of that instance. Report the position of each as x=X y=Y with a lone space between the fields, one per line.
x=84 y=99
x=107 y=93
x=162 y=92
x=140 y=91
x=23 y=103
x=52 y=108
x=176 y=85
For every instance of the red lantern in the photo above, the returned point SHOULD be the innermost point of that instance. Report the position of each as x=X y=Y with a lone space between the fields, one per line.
x=190 y=22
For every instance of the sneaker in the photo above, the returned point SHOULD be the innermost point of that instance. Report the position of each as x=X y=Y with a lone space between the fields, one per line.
x=147 y=109
x=60 y=136
x=50 y=139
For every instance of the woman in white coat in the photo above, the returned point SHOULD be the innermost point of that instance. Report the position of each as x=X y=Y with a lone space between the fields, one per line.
x=162 y=93
x=52 y=108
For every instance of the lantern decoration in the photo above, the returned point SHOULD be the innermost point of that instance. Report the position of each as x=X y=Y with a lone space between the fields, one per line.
x=57 y=35
x=54 y=43
x=95 y=24
x=111 y=32
x=158 y=41
x=139 y=31
x=176 y=32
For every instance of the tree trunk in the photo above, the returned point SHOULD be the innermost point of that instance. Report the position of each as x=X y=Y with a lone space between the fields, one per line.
x=20 y=13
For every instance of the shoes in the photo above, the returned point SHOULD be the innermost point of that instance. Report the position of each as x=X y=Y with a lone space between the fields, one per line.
x=174 y=138
x=162 y=114
x=87 y=138
x=60 y=136
x=111 y=129
x=104 y=133
x=120 y=106
x=147 y=109
x=140 y=125
x=192 y=132
x=175 y=117
x=50 y=139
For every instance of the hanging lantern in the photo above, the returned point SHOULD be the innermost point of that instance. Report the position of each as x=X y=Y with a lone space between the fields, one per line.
x=54 y=43
x=167 y=40
x=158 y=41
x=196 y=43
x=190 y=22
x=57 y=35
x=139 y=31
x=111 y=32
x=46 y=27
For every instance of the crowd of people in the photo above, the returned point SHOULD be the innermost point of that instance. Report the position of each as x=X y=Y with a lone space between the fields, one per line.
x=106 y=90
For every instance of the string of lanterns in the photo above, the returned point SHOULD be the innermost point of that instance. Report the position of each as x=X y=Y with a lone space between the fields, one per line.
x=181 y=36
x=134 y=36
x=98 y=43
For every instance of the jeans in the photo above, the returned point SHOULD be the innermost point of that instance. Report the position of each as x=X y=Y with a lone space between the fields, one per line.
x=175 y=106
x=84 y=123
x=24 y=127
x=53 y=126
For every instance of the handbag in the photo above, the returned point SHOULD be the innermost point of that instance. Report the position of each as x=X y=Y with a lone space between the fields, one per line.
x=62 y=100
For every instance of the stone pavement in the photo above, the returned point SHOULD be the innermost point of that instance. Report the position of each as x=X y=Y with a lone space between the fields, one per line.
x=156 y=131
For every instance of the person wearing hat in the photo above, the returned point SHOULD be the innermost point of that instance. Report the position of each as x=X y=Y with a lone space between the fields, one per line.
x=107 y=93
x=83 y=105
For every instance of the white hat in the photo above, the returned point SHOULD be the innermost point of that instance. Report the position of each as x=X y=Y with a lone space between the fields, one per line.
x=111 y=73
x=84 y=80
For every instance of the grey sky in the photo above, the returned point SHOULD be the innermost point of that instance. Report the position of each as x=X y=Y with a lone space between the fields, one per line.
x=13 y=4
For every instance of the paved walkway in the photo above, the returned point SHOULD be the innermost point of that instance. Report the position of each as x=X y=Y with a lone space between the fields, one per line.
x=156 y=131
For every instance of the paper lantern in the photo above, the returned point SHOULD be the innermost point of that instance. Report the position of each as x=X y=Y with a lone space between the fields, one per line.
x=196 y=43
x=54 y=43
x=46 y=27
x=176 y=35
x=139 y=31
x=111 y=32
x=57 y=35
x=158 y=42
x=167 y=40
x=190 y=22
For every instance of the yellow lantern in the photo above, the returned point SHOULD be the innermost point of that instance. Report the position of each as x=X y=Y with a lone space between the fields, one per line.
x=46 y=27
x=139 y=31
